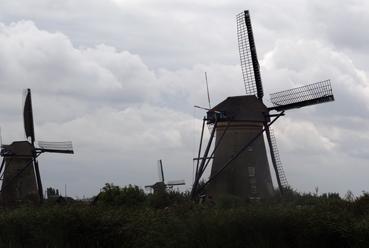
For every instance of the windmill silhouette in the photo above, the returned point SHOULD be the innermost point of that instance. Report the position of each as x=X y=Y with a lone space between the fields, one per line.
x=240 y=163
x=161 y=186
x=19 y=170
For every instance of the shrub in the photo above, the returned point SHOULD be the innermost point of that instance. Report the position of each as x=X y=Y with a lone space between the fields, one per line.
x=128 y=196
x=170 y=219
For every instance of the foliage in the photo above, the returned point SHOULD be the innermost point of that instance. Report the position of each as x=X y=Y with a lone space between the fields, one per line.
x=126 y=217
x=51 y=192
x=163 y=199
x=128 y=196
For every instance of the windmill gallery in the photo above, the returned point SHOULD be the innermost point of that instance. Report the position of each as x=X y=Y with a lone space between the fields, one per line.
x=238 y=156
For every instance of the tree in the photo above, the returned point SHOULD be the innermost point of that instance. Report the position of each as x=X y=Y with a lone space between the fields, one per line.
x=129 y=196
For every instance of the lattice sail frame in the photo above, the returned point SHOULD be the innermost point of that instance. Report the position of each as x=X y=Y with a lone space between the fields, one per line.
x=58 y=147
x=281 y=173
x=310 y=94
x=248 y=56
x=160 y=171
x=176 y=182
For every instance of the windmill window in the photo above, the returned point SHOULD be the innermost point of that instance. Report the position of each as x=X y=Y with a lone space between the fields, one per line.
x=252 y=181
x=253 y=189
x=251 y=171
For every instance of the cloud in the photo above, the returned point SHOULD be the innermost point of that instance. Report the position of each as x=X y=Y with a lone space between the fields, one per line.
x=293 y=63
x=293 y=136
x=120 y=80
x=49 y=62
x=123 y=145
x=342 y=24
x=108 y=102
x=319 y=144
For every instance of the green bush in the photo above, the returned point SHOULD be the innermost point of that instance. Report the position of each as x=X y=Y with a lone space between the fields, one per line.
x=128 y=196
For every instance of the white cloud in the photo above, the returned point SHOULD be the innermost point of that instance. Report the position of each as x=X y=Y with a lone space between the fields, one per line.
x=125 y=144
x=303 y=137
x=119 y=78
x=320 y=144
x=107 y=101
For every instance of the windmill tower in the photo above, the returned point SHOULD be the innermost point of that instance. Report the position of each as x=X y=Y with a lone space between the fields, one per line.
x=240 y=165
x=19 y=170
x=161 y=186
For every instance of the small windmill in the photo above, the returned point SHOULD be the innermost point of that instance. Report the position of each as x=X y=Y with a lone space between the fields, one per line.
x=161 y=186
x=240 y=165
x=19 y=170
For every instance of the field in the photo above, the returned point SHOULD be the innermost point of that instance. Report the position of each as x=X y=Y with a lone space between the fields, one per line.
x=126 y=217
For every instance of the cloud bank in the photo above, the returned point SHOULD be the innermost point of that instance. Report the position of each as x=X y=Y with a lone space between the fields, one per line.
x=122 y=88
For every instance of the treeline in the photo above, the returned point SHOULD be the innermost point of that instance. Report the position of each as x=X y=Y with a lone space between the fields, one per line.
x=127 y=217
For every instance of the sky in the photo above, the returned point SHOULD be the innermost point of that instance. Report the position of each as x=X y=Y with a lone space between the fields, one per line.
x=120 y=78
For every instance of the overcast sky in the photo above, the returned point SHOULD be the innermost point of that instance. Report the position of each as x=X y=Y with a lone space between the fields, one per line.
x=119 y=78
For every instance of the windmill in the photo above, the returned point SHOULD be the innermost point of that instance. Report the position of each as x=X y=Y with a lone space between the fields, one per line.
x=161 y=186
x=19 y=170
x=240 y=164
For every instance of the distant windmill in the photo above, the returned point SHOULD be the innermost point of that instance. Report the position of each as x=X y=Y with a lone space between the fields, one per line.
x=161 y=186
x=20 y=174
x=240 y=164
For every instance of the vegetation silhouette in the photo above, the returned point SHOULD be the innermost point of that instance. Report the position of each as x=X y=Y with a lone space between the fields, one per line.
x=128 y=217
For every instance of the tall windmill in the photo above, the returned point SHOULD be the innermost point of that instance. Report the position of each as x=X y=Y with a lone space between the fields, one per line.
x=240 y=165
x=19 y=170
x=161 y=186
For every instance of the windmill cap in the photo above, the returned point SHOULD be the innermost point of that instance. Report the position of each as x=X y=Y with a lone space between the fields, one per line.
x=19 y=148
x=239 y=108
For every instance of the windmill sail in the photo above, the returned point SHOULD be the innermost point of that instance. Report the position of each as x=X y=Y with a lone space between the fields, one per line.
x=176 y=182
x=248 y=56
x=56 y=147
x=160 y=171
x=281 y=173
x=311 y=94
x=28 y=116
